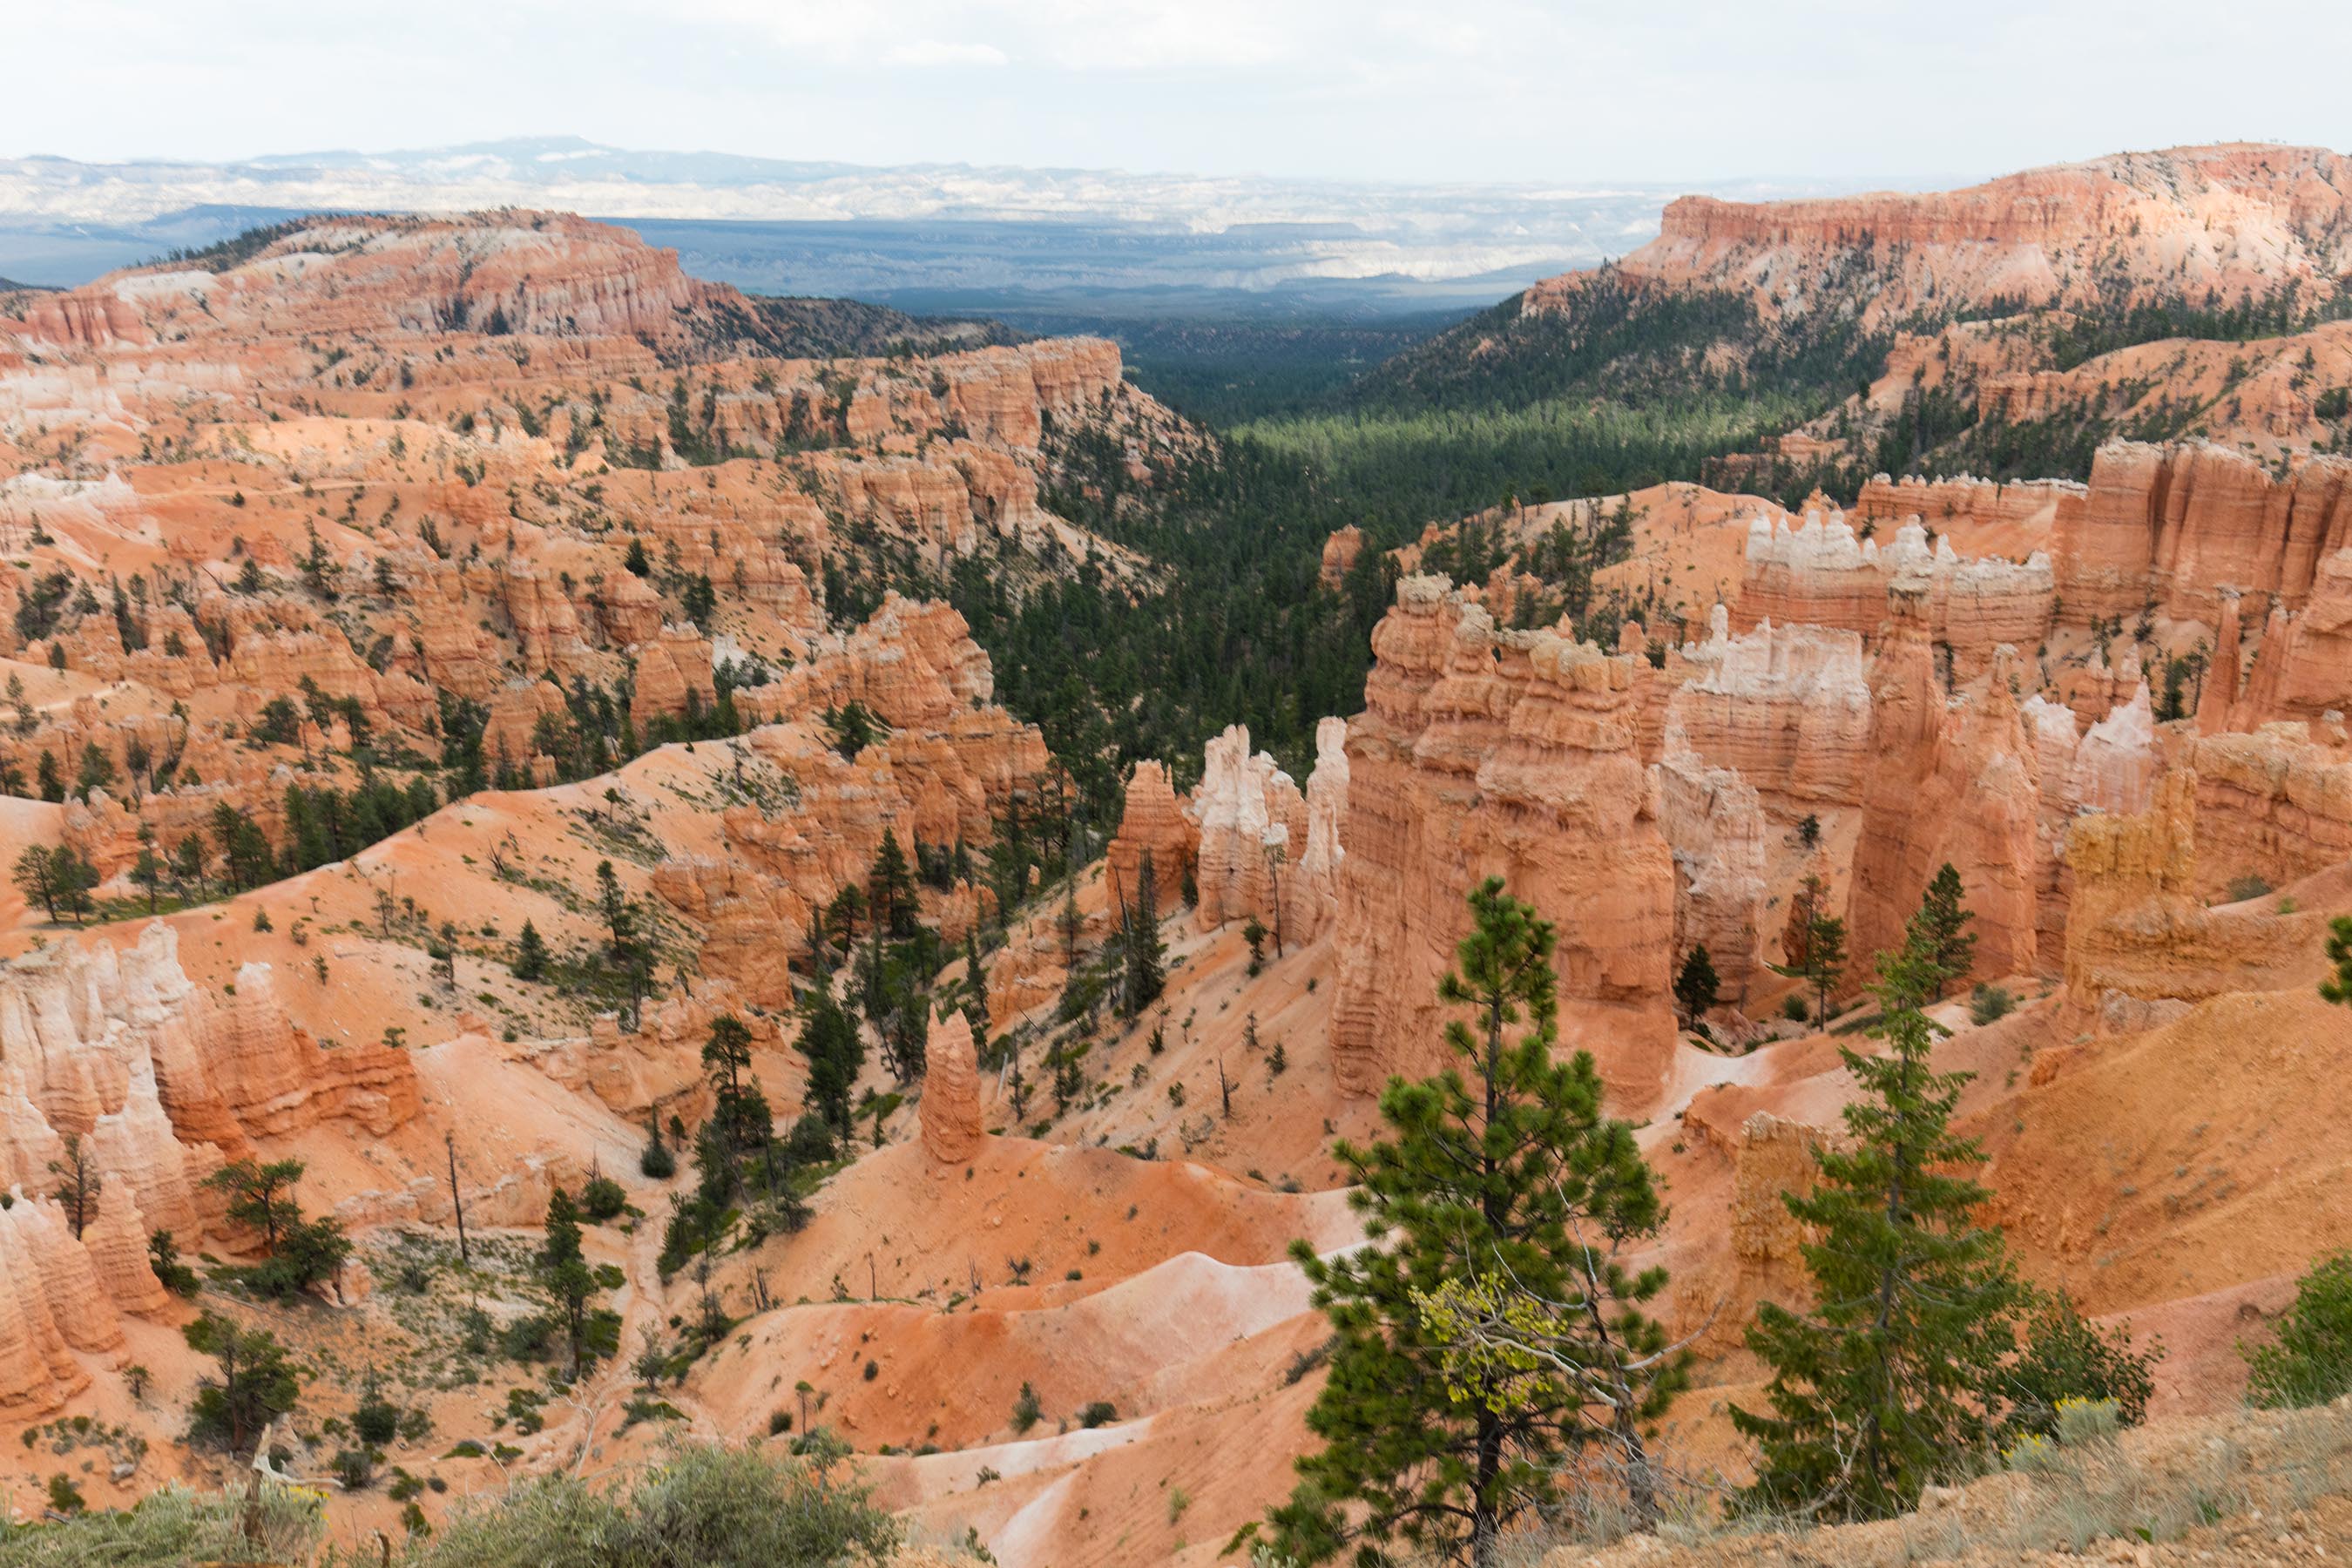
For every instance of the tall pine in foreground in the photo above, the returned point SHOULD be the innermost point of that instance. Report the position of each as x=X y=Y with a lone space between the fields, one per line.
x=1501 y=1189
x=1883 y=1386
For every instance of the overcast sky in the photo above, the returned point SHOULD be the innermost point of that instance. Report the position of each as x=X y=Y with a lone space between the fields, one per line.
x=1445 y=89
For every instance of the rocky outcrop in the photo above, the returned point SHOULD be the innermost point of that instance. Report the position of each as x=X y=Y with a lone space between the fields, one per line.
x=2141 y=946
x=1819 y=574
x=1485 y=752
x=2173 y=525
x=1784 y=706
x=1341 y=550
x=2304 y=668
x=674 y=678
x=1152 y=822
x=51 y=1305
x=1714 y=824
x=953 y=1130
x=2274 y=804
x=1253 y=822
x=165 y=1080
x=2116 y=763
x=1960 y=500
x=2188 y=222
x=1310 y=892
x=1954 y=784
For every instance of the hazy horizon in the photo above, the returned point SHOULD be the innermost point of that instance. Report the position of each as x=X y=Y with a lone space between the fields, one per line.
x=1504 y=92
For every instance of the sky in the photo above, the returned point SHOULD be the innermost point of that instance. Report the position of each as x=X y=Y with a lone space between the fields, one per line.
x=1485 y=91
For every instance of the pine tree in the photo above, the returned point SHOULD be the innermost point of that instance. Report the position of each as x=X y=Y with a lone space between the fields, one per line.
x=147 y=872
x=1890 y=1380
x=1504 y=1192
x=891 y=889
x=1145 y=973
x=1820 y=957
x=1697 y=983
x=564 y=1274
x=1944 y=926
x=36 y=876
x=835 y=1054
x=530 y=953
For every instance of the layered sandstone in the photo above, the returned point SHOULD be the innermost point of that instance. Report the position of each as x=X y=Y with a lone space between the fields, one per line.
x=1485 y=752
x=1819 y=574
x=2275 y=804
x=2172 y=526
x=1786 y=707
x=1715 y=823
x=1952 y=783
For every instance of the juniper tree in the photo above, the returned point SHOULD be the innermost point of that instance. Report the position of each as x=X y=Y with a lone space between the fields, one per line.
x=564 y=1274
x=1500 y=1180
x=1887 y=1381
x=835 y=1052
x=36 y=876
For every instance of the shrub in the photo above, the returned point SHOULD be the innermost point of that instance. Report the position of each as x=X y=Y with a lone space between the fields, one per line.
x=1989 y=1004
x=1793 y=1007
x=603 y=1198
x=1101 y=1413
x=1025 y=1409
x=377 y=1420
x=2065 y=1360
x=714 y=1507
x=355 y=1468
x=658 y=1164
x=173 y=1526
x=2310 y=1361
x=779 y=1423
x=64 y=1496
x=2240 y=889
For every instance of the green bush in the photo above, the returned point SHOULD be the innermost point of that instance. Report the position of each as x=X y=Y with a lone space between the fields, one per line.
x=1025 y=1409
x=2310 y=1359
x=706 y=1508
x=1793 y=1007
x=603 y=1198
x=173 y=1526
x=377 y=1420
x=1101 y=1413
x=1989 y=1004
x=2064 y=1360
x=2240 y=889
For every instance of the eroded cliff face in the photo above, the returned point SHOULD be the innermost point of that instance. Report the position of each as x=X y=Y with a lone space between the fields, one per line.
x=1786 y=707
x=2174 y=525
x=1952 y=782
x=1514 y=754
x=1820 y=574
x=2237 y=218
x=162 y=1084
x=1154 y=823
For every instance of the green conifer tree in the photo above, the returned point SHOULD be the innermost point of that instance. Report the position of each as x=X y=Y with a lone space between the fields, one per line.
x=1885 y=1383
x=1944 y=925
x=1501 y=1188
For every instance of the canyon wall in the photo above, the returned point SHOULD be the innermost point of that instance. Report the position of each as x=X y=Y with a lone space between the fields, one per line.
x=1485 y=752
x=2171 y=525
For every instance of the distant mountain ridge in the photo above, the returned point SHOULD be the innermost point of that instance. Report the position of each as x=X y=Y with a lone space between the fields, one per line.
x=822 y=227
